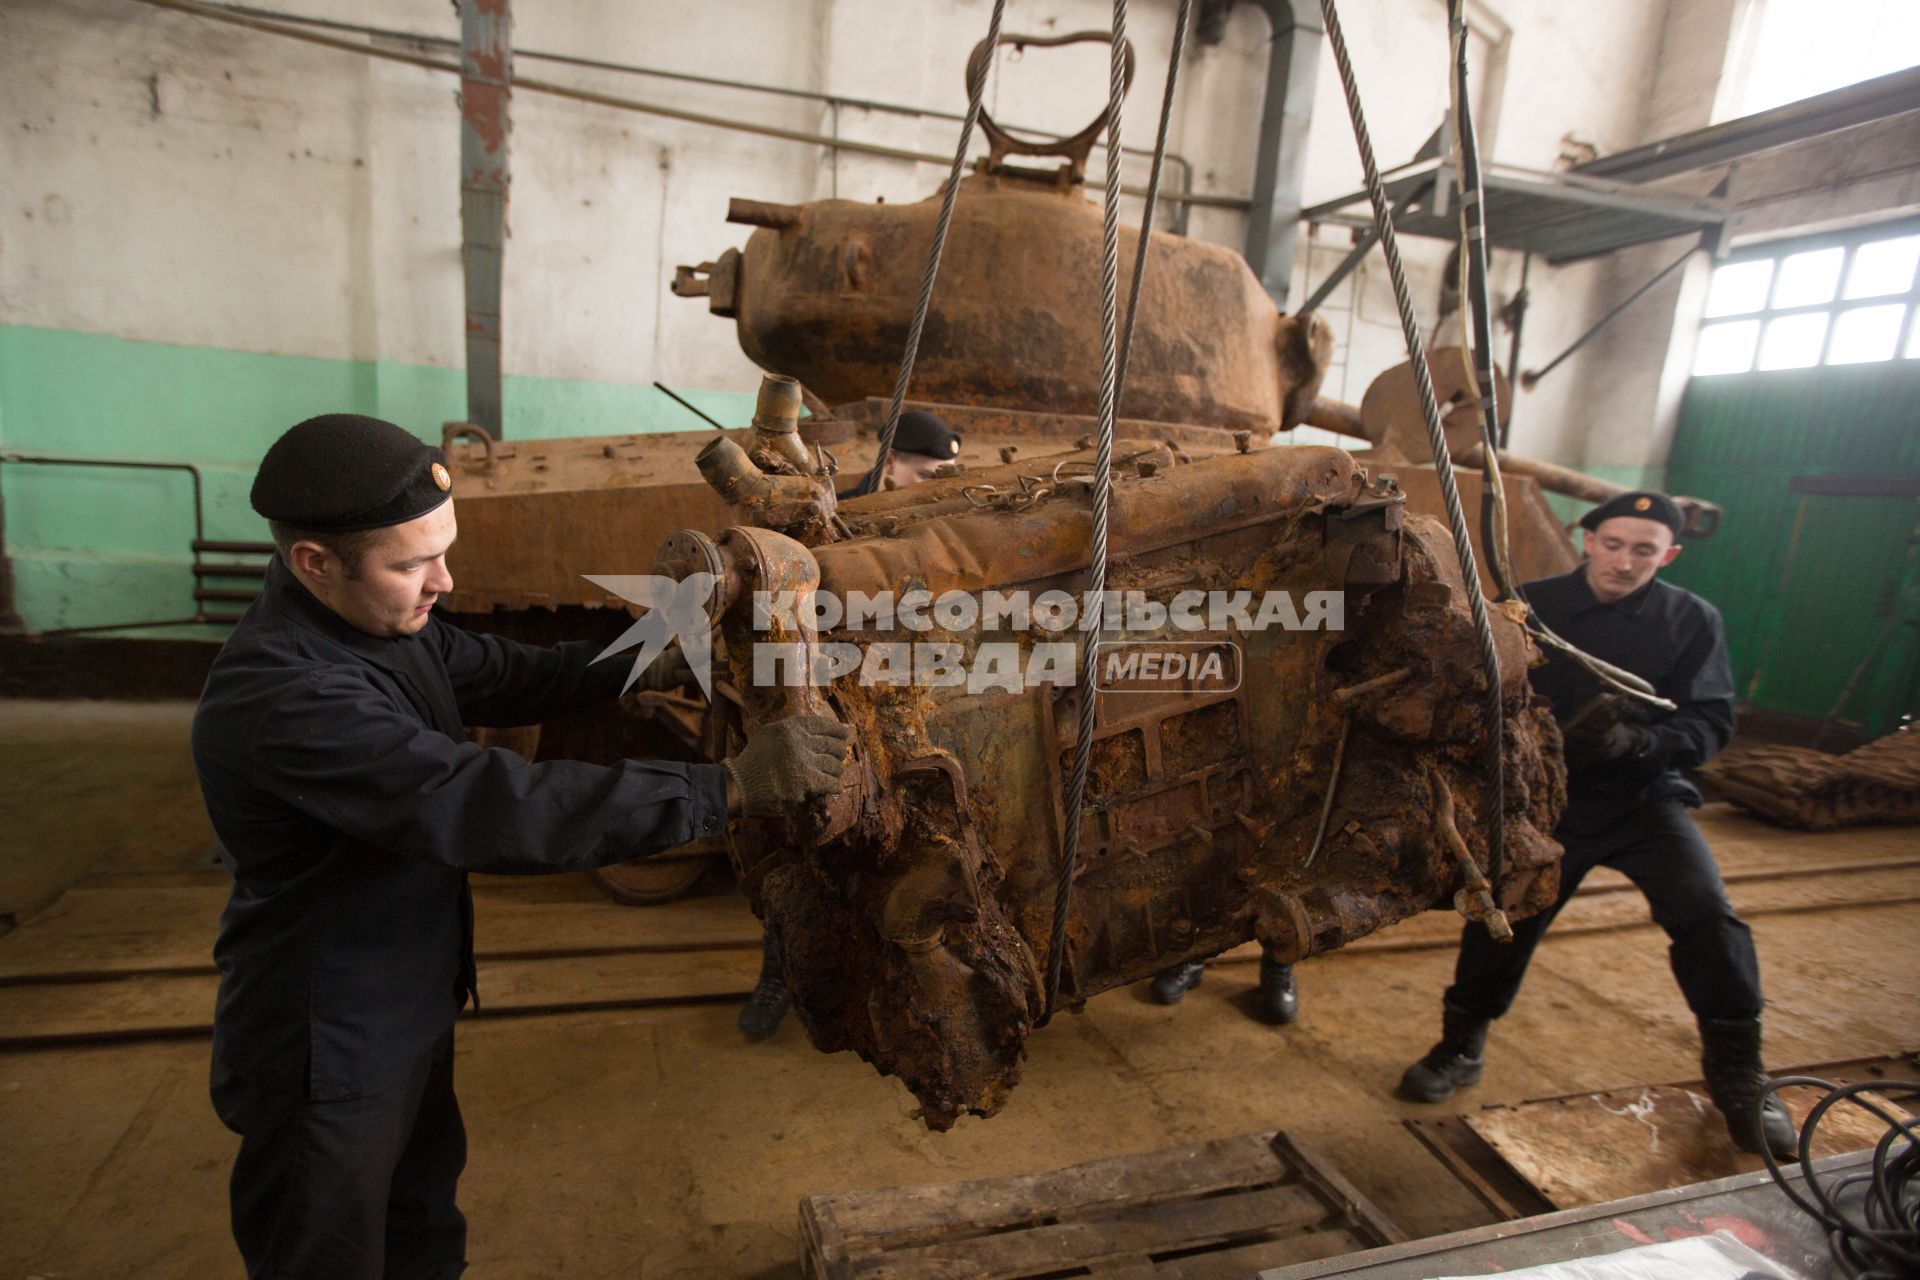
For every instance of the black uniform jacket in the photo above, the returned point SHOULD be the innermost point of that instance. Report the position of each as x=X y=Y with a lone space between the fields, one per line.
x=1676 y=642
x=350 y=805
x=859 y=490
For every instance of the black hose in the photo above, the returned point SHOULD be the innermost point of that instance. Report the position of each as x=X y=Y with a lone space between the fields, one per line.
x=1872 y=1219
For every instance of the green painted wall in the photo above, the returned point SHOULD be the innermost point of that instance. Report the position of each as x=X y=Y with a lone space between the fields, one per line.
x=1811 y=586
x=93 y=546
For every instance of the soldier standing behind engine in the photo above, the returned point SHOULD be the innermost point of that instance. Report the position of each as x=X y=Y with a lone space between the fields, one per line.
x=1626 y=809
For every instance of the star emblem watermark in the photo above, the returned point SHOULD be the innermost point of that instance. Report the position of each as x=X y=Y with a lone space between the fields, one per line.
x=676 y=610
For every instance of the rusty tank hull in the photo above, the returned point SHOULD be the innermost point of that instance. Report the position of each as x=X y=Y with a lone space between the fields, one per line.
x=914 y=908
x=825 y=292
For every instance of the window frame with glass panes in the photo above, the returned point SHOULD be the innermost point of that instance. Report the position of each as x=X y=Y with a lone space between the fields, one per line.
x=1840 y=299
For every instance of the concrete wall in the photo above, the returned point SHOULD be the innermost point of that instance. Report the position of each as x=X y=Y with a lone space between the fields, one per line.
x=208 y=233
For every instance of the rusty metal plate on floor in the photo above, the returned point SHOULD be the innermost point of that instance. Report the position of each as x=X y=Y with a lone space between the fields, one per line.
x=1221 y=1209
x=1597 y=1147
x=1748 y=1207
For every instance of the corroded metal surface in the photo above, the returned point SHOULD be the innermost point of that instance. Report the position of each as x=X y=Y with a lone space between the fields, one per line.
x=825 y=292
x=537 y=514
x=987 y=428
x=914 y=909
x=1390 y=416
x=1797 y=787
x=1537 y=543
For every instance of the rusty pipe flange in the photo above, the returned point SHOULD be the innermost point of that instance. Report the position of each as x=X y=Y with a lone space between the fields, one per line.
x=1073 y=150
x=687 y=552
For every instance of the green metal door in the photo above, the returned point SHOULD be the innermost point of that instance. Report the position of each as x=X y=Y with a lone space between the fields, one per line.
x=1814 y=565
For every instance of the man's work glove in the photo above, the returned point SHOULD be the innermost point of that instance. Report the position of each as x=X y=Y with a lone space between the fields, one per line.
x=788 y=763
x=1590 y=744
x=666 y=673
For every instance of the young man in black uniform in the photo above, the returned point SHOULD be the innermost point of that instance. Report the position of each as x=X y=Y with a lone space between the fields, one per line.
x=350 y=806
x=1627 y=807
x=922 y=444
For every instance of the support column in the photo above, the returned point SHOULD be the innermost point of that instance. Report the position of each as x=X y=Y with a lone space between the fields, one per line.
x=1273 y=221
x=486 y=79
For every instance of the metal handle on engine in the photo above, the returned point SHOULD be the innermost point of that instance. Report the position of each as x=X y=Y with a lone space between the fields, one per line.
x=1074 y=150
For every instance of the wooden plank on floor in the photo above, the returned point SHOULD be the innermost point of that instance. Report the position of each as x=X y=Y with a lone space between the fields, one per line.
x=146 y=1006
x=95 y=932
x=1221 y=1208
x=1122 y=1234
x=1592 y=1148
x=1478 y=1167
x=1244 y=1261
x=916 y=1214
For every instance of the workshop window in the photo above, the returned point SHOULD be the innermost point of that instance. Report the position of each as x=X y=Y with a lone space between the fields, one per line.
x=1831 y=301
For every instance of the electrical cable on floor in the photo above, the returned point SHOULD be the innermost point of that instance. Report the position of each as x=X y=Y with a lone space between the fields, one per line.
x=1102 y=493
x=1872 y=1218
x=976 y=88
x=1436 y=433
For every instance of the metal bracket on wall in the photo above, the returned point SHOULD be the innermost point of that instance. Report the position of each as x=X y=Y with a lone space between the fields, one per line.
x=199 y=546
x=1533 y=376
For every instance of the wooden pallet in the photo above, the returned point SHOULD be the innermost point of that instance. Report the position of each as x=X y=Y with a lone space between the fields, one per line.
x=1221 y=1209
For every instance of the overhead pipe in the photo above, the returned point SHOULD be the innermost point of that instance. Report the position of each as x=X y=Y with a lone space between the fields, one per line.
x=282 y=25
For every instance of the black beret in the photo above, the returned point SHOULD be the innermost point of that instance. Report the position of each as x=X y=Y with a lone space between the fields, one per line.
x=924 y=433
x=1640 y=505
x=341 y=472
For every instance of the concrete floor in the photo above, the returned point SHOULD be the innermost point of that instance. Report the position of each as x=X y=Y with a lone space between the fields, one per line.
x=655 y=1143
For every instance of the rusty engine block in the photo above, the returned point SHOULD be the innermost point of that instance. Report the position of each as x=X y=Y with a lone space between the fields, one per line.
x=914 y=909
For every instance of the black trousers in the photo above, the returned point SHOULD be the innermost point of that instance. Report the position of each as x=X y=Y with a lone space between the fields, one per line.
x=1658 y=847
x=355 y=1189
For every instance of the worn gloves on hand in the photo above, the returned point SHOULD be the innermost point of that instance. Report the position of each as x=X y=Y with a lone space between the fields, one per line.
x=1601 y=745
x=667 y=673
x=789 y=762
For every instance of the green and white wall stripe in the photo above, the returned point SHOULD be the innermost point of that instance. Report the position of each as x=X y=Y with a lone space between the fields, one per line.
x=92 y=546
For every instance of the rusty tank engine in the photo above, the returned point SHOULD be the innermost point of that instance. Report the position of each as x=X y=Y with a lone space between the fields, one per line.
x=825 y=291
x=1313 y=784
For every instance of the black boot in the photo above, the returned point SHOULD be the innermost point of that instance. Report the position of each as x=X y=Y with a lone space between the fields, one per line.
x=1279 y=993
x=1454 y=1063
x=760 y=1016
x=1171 y=985
x=1730 y=1060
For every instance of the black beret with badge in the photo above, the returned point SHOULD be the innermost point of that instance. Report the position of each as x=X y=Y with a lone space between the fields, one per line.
x=927 y=434
x=343 y=472
x=1640 y=505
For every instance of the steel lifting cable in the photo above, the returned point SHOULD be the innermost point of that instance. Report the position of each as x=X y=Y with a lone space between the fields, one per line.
x=1479 y=340
x=1112 y=361
x=976 y=87
x=1153 y=195
x=1477 y=332
x=1442 y=458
